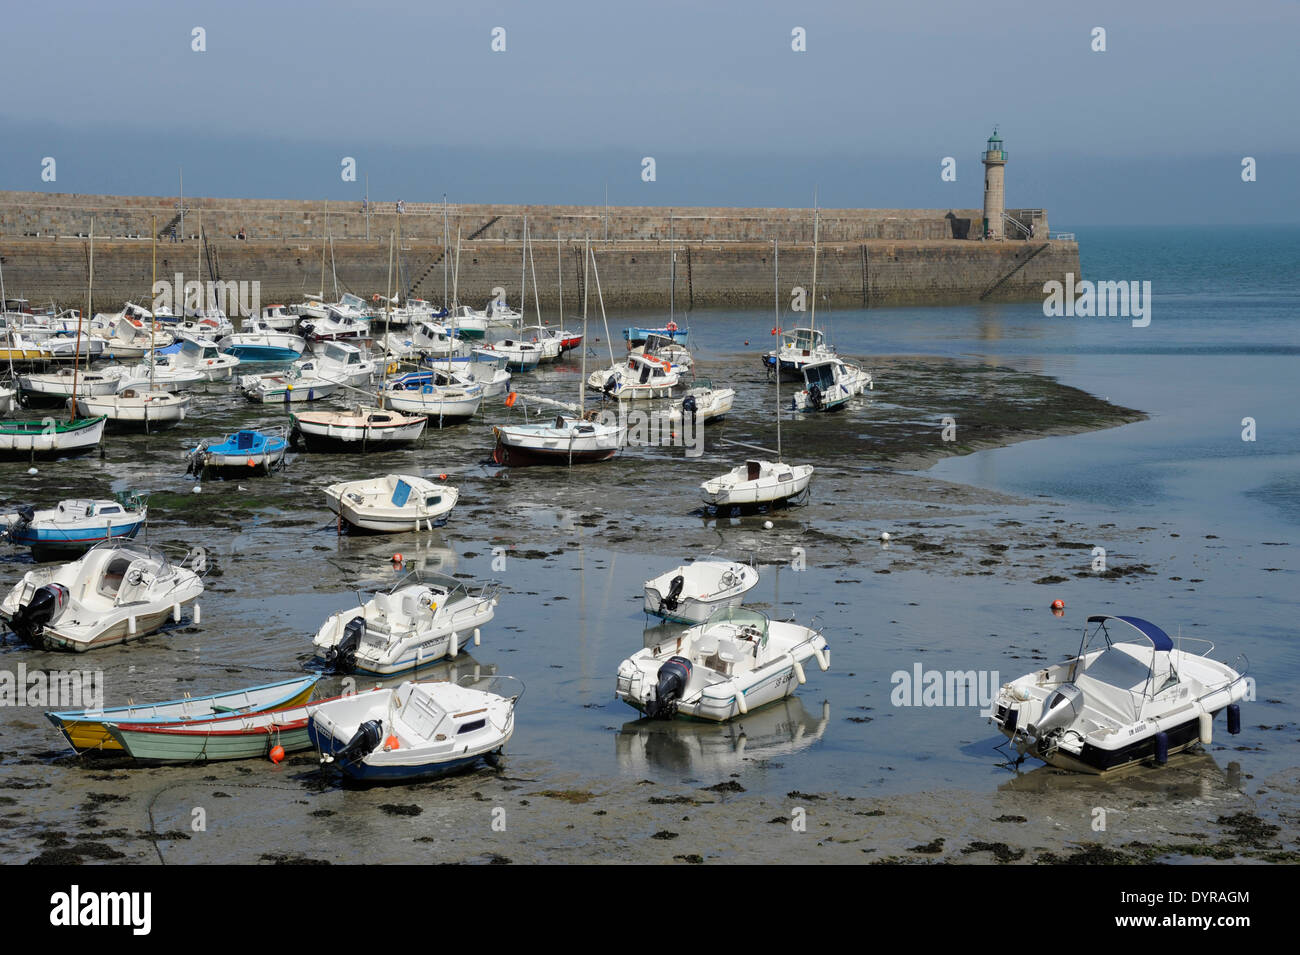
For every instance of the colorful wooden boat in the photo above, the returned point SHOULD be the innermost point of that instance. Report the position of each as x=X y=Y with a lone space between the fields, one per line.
x=49 y=438
x=85 y=729
x=244 y=736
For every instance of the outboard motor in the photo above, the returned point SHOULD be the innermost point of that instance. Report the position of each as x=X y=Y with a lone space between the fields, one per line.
x=1061 y=710
x=26 y=514
x=815 y=396
x=46 y=604
x=342 y=657
x=610 y=384
x=669 y=601
x=672 y=679
x=363 y=742
x=689 y=407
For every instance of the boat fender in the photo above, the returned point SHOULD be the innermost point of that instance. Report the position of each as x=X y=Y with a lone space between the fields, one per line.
x=130 y=625
x=823 y=659
x=477 y=636
x=671 y=681
x=1207 y=728
x=454 y=647
x=176 y=613
x=197 y=615
x=741 y=705
x=670 y=600
x=363 y=742
x=1234 y=719
x=1162 y=748
x=798 y=672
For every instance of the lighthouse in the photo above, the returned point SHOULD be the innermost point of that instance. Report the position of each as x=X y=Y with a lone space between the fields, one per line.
x=995 y=162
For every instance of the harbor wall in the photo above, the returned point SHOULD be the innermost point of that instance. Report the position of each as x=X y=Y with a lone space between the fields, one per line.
x=867 y=257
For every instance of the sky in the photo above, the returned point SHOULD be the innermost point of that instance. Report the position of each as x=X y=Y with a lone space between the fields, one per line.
x=1152 y=130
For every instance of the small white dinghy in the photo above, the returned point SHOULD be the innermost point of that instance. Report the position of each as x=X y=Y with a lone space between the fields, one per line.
x=416 y=731
x=392 y=503
x=295 y=385
x=118 y=591
x=57 y=386
x=1121 y=700
x=756 y=483
x=361 y=429
x=735 y=662
x=424 y=618
x=692 y=592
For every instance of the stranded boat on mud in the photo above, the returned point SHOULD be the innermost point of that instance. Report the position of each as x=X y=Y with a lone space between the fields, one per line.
x=73 y=526
x=736 y=662
x=692 y=592
x=1118 y=702
x=118 y=591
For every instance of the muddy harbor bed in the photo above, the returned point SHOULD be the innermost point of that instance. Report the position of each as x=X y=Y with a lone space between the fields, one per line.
x=570 y=547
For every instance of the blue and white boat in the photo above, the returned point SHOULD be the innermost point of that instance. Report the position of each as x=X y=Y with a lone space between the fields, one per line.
x=74 y=525
x=249 y=451
x=672 y=331
x=416 y=731
x=260 y=342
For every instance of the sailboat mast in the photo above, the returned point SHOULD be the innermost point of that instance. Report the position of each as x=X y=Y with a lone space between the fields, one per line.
x=812 y=322
x=559 y=264
x=582 y=378
x=153 y=322
x=446 y=260
x=388 y=294
x=672 y=273
x=90 y=298
x=523 y=274
x=776 y=308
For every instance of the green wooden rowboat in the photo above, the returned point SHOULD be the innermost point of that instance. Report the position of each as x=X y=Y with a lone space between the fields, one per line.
x=246 y=736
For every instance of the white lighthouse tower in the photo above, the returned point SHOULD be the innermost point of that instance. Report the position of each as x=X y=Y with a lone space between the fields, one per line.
x=995 y=198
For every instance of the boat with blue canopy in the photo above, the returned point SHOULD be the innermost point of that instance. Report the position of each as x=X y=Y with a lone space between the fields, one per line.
x=249 y=451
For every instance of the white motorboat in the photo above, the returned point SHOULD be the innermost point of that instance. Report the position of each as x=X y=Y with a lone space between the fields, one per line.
x=278 y=318
x=338 y=322
x=545 y=338
x=519 y=355
x=490 y=375
x=204 y=357
x=294 y=385
x=130 y=338
x=422 y=619
x=567 y=439
x=49 y=438
x=118 y=591
x=361 y=429
x=340 y=362
x=392 y=503
x=435 y=394
x=1122 y=699
x=661 y=346
x=138 y=407
x=826 y=387
x=416 y=731
x=74 y=525
x=640 y=377
x=702 y=401
x=691 y=593
x=802 y=346
x=757 y=483
x=737 y=661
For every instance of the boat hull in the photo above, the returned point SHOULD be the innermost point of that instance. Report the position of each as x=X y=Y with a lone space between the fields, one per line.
x=21 y=439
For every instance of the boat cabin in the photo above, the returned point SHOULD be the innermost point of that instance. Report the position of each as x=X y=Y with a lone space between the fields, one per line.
x=804 y=340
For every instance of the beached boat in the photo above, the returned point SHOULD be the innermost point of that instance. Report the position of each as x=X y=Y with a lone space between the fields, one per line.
x=566 y=440
x=118 y=591
x=242 y=736
x=758 y=483
x=298 y=384
x=247 y=451
x=56 y=387
x=640 y=377
x=130 y=338
x=1122 y=699
x=74 y=525
x=137 y=408
x=259 y=341
x=691 y=593
x=703 y=402
x=341 y=362
x=519 y=355
x=826 y=387
x=49 y=438
x=435 y=394
x=417 y=731
x=85 y=729
x=423 y=618
x=799 y=347
x=361 y=429
x=735 y=662
x=392 y=503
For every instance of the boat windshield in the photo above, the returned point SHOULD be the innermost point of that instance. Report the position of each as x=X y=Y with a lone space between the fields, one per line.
x=821 y=375
x=354 y=301
x=805 y=338
x=741 y=619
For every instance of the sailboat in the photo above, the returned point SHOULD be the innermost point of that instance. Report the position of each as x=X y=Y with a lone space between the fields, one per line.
x=141 y=404
x=47 y=437
x=758 y=482
x=801 y=346
x=569 y=439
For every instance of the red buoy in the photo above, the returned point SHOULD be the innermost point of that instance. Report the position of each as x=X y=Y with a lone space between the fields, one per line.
x=1058 y=604
x=397 y=558
x=277 y=754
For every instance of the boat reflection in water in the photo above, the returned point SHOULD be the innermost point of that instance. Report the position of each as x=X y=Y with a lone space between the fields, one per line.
x=778 y=729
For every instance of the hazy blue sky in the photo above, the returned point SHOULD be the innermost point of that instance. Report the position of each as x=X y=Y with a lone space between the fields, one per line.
x=1154 y=129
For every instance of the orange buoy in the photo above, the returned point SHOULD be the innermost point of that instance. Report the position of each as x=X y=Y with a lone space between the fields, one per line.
x=397 y=558
x=442 y=477
x=277 y=754
x=390 y=744
x=510 y=399
x=252 y=463
x=1058 y=604
x=747 y=342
